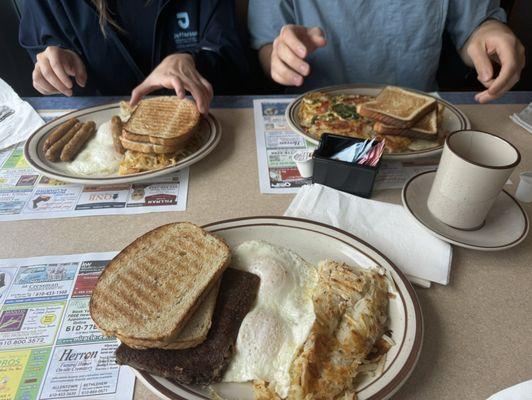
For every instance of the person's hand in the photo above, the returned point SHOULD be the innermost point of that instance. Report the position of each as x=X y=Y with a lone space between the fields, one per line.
x=53 y=70
x=289 y=50
x=177 y=72
x=494 y=41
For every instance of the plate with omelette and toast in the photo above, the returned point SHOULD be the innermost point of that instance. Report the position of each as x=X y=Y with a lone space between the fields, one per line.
x=413 y=124
x=116 y=143
x=259 y=308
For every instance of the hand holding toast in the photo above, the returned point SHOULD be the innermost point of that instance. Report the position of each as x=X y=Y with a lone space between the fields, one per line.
x=178 y=72
x=286 y=63
x=53 y=71
x=494 y=41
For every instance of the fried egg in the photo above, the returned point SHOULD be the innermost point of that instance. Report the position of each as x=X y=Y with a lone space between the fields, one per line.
x=275 y=329
x=99 y=156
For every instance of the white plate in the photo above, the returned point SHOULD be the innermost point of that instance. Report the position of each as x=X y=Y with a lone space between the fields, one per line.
x=453 y=118
x=506 y=225
x=316 y=242
x=209 y=131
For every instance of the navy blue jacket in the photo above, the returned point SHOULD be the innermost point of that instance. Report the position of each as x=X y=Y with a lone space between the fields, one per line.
x=111 y=68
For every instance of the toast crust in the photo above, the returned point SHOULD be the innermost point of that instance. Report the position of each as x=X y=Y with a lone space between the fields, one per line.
x=151 y=288
x=181 y=140
x=149 y=148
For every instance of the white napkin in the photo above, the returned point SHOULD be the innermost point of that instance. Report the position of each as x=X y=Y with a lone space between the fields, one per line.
x=387 y=227
x=524 y=118
x=18 y=120
x=521 y=391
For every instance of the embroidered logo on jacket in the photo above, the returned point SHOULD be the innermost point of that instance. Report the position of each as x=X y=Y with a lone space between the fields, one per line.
x=185 y=35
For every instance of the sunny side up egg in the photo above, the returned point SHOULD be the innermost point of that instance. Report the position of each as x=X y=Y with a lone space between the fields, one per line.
x=279 y=323
x=99 y=156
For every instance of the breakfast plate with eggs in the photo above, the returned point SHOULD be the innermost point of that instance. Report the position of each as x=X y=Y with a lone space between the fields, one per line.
x=413 y=124
x=307 y=272
x=113 y=144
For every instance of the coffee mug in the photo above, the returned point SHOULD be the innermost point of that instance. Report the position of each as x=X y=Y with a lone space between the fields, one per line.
x=473 y=169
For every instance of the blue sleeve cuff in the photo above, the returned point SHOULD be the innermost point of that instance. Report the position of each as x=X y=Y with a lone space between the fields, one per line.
x=460 y=37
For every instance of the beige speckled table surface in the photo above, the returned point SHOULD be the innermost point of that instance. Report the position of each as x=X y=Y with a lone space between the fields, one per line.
x=477 y=329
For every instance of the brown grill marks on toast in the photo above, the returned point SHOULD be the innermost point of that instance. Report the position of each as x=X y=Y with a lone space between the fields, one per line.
x=164 y=117
x=193 y=333
x=177 y=264
x=207 y=362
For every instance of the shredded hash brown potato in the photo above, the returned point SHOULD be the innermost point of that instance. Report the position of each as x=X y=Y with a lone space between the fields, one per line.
x=351 y=306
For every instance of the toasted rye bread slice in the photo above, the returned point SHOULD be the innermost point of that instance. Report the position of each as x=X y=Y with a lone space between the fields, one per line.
x=181 y=140
x=152 y=287
x=398 y=107
x=165 y=117
x=426 y=128
x=192 y=334
x=149 y=148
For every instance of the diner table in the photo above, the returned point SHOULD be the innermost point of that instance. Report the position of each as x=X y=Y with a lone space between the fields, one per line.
x=477 y=329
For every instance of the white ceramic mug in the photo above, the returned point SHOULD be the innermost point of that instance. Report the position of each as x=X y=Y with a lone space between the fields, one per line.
x=473 y=169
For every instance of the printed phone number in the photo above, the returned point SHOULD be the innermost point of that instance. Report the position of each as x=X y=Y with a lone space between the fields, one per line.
x=50 y=293
x=77 y=328
x=17 y=342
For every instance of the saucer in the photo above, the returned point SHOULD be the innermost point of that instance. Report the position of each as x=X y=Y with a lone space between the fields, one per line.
x=506 y=225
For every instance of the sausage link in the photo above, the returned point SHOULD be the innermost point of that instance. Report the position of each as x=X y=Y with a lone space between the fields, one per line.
x=58 y=133
x=53 y=153
x=116 y=132
x=72 y=148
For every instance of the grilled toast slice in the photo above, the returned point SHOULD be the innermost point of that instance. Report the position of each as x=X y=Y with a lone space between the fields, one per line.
x=426 y=128
x=398 y=107
x=149 y=148
x=152 y=288
x=164 y=117
x=181 y=140
x=192 y=334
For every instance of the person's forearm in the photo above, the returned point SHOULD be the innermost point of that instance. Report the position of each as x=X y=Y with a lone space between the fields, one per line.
x=265 y=58
x=486 y=25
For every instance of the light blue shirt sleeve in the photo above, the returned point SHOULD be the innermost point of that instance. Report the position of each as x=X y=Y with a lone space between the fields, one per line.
x=266 y=18
x=464 y=16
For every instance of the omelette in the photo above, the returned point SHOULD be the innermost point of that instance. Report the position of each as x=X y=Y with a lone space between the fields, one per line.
x=321 y=113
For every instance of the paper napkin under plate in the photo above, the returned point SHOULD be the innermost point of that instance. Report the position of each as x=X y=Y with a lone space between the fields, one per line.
x=521 y=391
x=524 y=118
x=18 y=120
x=387 y=227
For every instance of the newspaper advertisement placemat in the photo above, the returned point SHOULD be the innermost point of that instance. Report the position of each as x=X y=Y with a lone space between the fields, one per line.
x=49 y=346
x=24 y=194
x=276 y=143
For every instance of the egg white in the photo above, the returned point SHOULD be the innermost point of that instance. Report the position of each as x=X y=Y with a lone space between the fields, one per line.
x=99 y=156
x=279 y=323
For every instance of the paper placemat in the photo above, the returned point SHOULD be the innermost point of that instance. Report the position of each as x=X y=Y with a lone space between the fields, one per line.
x=25 y=194
x=50 y=347
x=277 y=143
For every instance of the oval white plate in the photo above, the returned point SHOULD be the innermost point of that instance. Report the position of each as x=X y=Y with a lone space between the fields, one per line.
x=506 y=225
x=210 y=132
x=316 y=242
x=453 y=118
